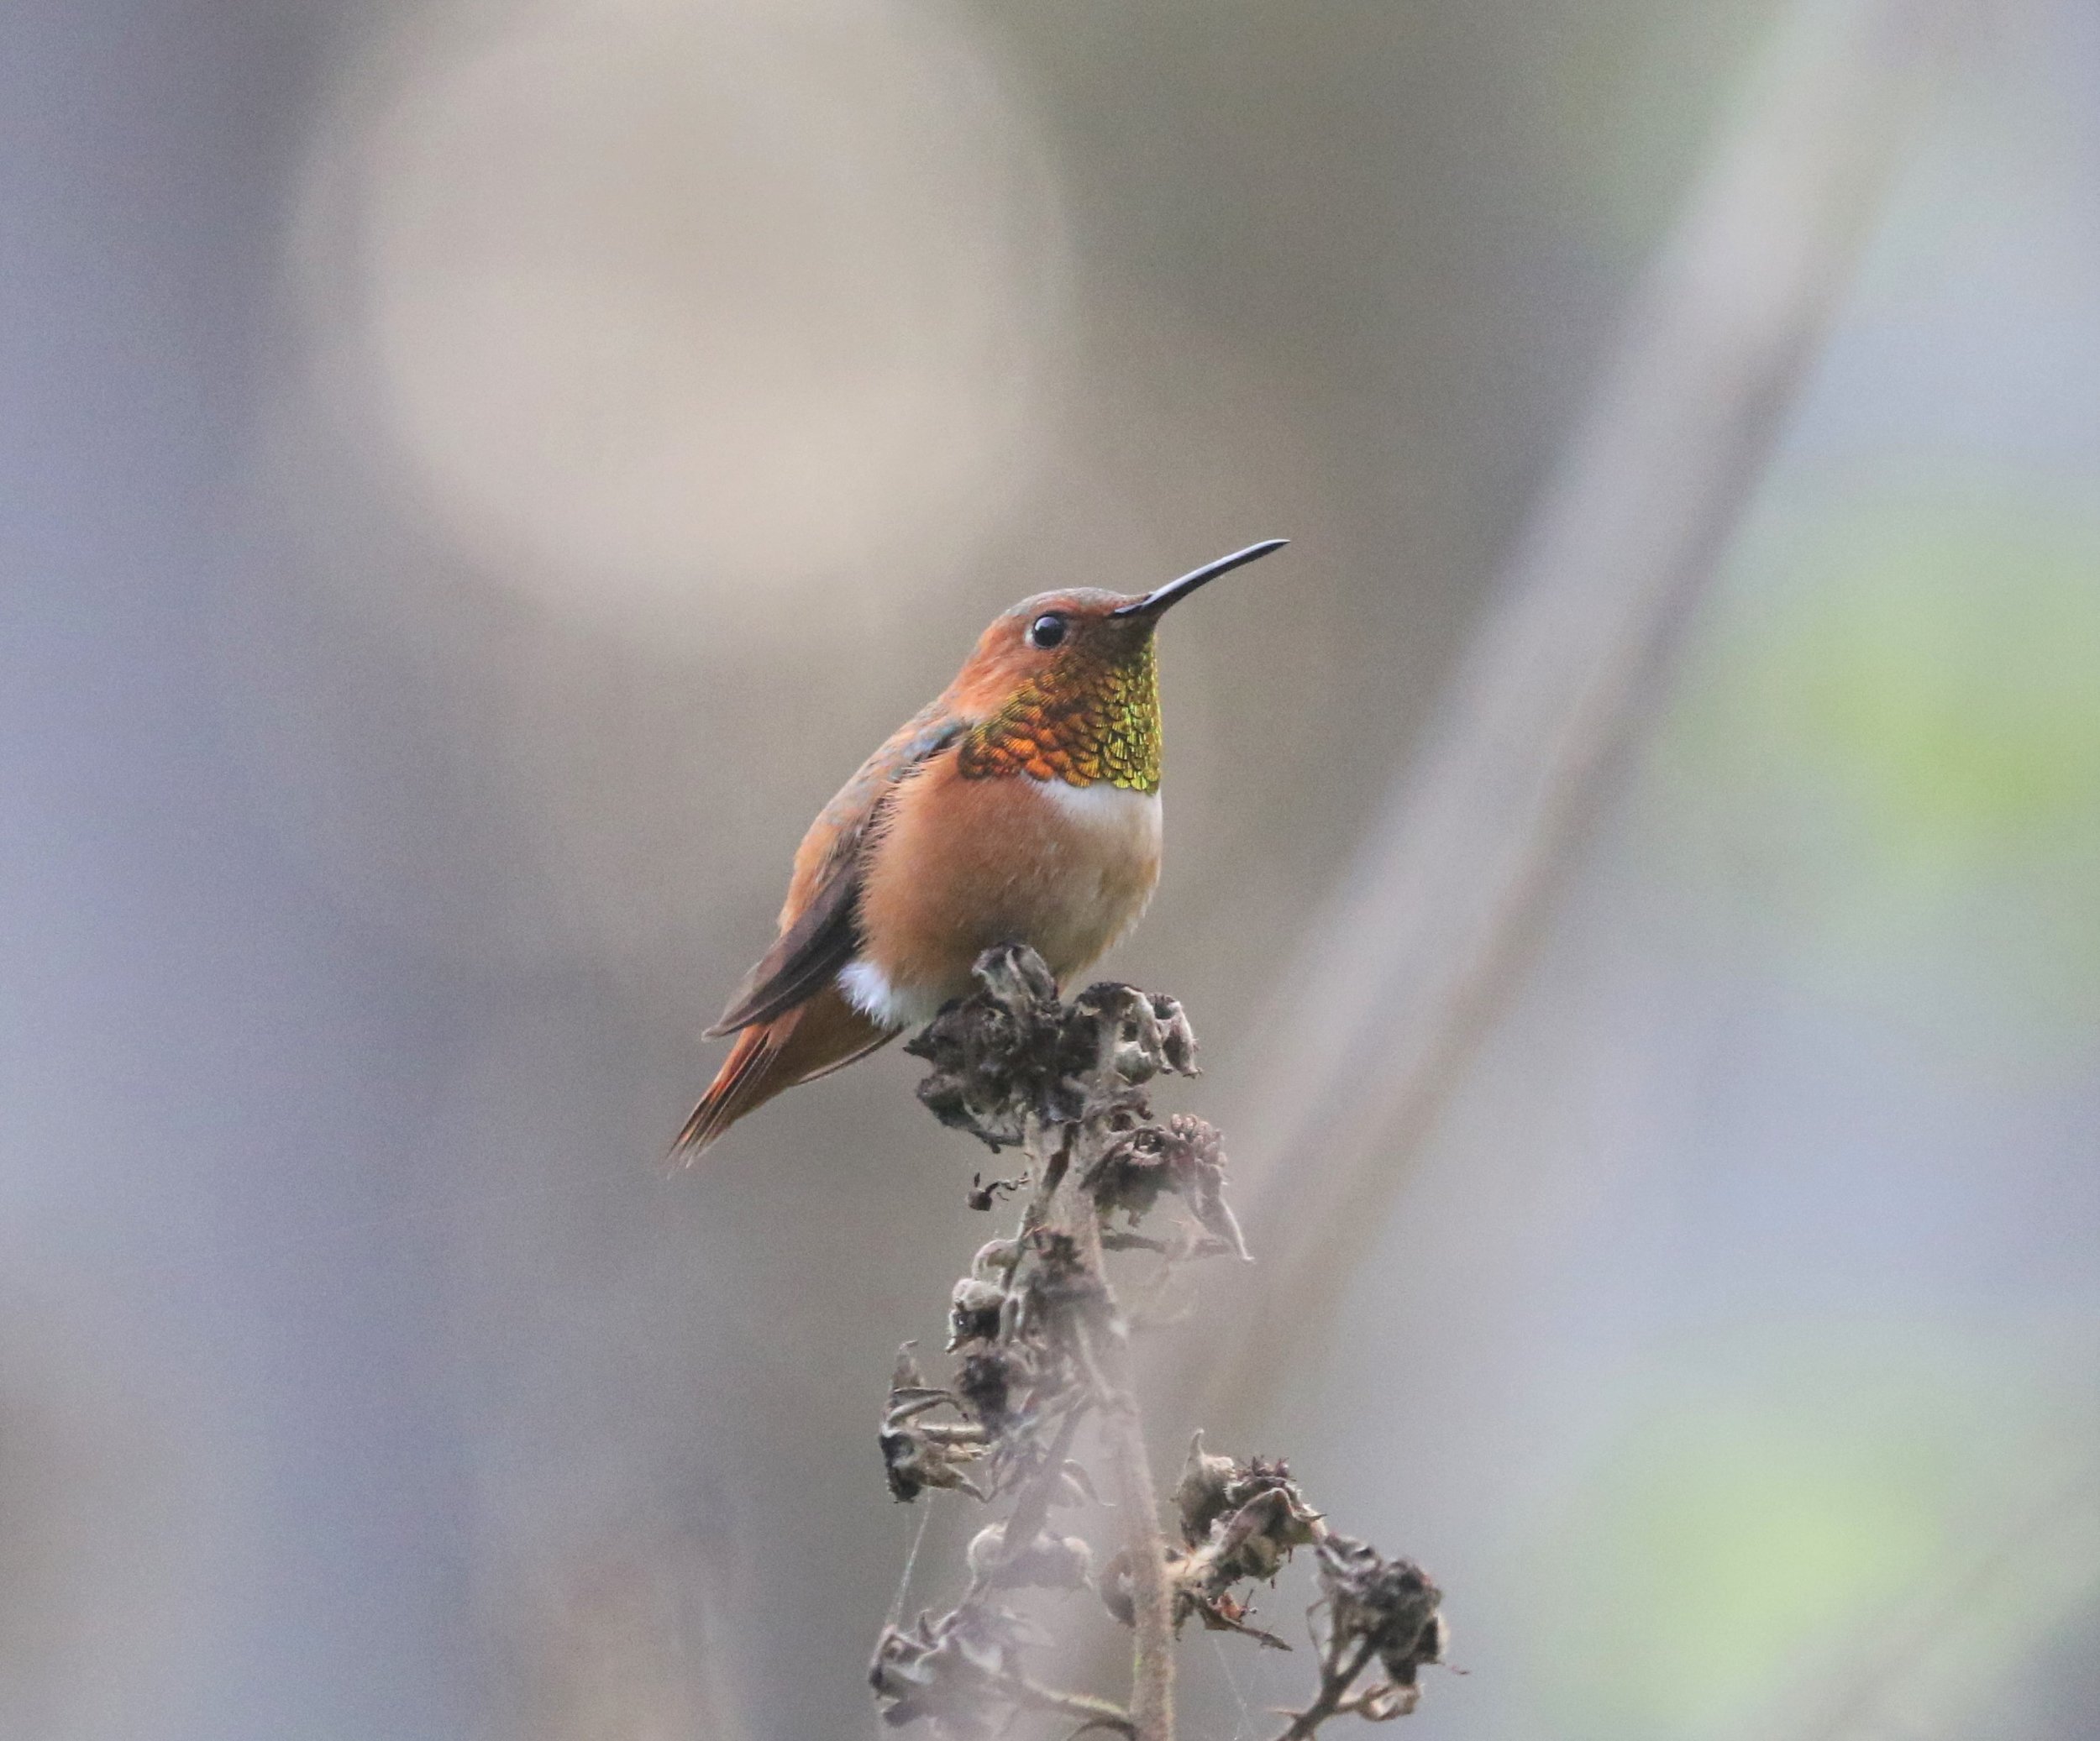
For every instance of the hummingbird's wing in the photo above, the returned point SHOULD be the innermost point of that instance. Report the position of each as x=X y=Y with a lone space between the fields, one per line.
x=806 y=956
x=819 y=930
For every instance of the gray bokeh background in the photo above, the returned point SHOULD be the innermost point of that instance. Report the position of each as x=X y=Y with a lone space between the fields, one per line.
x=478 y=474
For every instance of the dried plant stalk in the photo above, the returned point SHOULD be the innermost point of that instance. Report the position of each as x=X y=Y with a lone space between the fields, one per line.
x=1041 y=1348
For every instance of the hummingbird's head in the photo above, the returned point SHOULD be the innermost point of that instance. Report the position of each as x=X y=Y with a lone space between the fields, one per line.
x=1064 y=686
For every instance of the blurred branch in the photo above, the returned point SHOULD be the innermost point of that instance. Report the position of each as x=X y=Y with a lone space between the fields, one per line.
x=1403 y=974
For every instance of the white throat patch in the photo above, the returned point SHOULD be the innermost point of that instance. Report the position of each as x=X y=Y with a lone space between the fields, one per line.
x=1102 y=805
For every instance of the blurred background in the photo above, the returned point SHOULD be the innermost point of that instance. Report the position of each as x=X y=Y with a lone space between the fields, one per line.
x=478 y=473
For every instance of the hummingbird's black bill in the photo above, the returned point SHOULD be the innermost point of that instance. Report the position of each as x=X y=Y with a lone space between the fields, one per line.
x=1176 y=591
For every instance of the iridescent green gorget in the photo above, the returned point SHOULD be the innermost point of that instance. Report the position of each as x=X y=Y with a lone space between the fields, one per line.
x=1090 y=719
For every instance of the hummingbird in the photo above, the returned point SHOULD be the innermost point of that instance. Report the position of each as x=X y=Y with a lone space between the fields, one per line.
x=1022 y=804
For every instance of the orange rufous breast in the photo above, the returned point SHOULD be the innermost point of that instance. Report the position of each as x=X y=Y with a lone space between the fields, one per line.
x=961 y=864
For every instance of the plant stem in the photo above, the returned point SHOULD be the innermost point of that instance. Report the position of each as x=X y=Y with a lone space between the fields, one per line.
x=1335 y=1681
x=1152 y=1703
x=1095 y=1714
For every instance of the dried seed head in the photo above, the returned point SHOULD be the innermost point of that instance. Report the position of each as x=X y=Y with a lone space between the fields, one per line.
x=1200 y=1495
x=1241 y=1521
x=1177 y=1039
x=992 y=1051
x=1186 y=1157
x=1388 y=1604
x=986 y=1385
x=915 y=1459
x=940 y=1671
x=917 y=1452
x=983 y=1193
x=974 y=1312
x=1011 y=1052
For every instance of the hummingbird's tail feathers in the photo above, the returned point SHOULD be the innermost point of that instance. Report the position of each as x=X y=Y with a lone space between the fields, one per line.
x=812 y=1040
x=732 y=1093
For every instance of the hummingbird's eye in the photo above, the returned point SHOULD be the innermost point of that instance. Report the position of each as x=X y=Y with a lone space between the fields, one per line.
x=1046 y=629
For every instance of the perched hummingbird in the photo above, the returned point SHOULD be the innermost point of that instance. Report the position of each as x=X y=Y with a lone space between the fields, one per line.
x=1022 y=805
